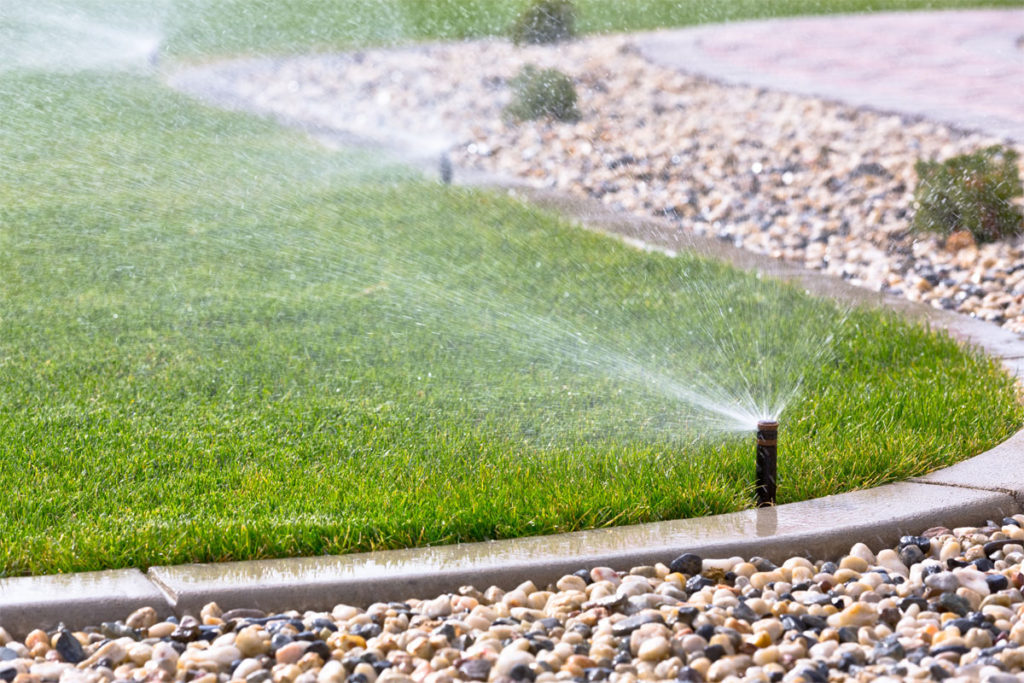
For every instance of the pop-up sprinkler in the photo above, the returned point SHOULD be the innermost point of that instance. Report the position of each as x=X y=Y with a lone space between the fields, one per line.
x=765 y=466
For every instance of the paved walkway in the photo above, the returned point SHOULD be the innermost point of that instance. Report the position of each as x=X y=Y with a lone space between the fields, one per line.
x=964 y=67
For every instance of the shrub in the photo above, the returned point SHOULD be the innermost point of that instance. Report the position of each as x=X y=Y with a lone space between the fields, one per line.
x=542 y=92
x=545 y=21
x=970 y=192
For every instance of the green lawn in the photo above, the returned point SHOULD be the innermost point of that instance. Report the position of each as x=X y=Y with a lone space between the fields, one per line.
x=197 y=26
x=220 y=341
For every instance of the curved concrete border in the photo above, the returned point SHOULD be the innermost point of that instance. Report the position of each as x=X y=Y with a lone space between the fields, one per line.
x=990 y=485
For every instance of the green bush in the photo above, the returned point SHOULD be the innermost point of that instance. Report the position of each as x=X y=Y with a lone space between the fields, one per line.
x=545 y=21
x=542 y=92
x=971 y=192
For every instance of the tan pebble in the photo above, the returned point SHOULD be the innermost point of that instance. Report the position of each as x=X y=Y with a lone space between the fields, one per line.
x=759 y=606
x=601 y=651
x=161 y=630
x=571 y=582
x=605 y=574
x=206 y=678
x=477 y=622
x=646 y=571
x=252 y=640
x=286 y=674
x=344 y=612
x=493 y=595
x=724 y=598
x=974 y=553
x=996 y=611
x=211 y=611
x=52 y=671
x=366 y=670
x=538 y=600
x=973 y=599
x=973 y=580
x=889 y=560
x=853 y=563
x=863 y=552
x=463 y=603
x=792 y=563
x=420 y=647
x=745 y=569
x=1012 y=658
x=701 y=665
x=766 y=655
x=947 y=637
x=115 y=650
x=762 y=579
x=144 y=617
x=667 y=669
x=693 y=643
x=515 y=598
x=509 y=659
x=290 y=653
x=37 y=637
x=573 y=638
x=440 y=606
x=857 y=614
x=218 y=658
x=978 y=638
x=846 y=574
x=139 y=653
x=575 y=664
x=246 y=667
x=950 y=549
x=761 y=639
x=727 y=666
x=802 y=574
x=773 y=627
x=823 y=650
x=654 y=649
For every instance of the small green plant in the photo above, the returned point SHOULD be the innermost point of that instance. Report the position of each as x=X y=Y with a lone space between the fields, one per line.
x=538 y=93
x=970 y=192
x=545 y=21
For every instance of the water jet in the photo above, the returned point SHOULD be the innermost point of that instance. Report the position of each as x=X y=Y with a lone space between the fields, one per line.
x=765 y=462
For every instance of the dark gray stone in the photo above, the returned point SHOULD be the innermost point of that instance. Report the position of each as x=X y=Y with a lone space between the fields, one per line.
x=69 y=648
x=687 y=563
x=630 y=624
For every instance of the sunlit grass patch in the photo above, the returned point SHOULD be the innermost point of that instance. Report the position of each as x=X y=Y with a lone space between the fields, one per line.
x=219 y=341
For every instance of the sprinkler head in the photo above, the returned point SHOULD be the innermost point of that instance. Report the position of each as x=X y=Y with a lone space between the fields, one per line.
x=765 y=462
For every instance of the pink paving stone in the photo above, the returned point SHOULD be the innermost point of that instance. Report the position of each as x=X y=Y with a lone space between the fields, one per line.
x=961 y=67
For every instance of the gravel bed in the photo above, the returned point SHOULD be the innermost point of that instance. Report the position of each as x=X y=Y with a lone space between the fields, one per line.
x=943 y=605
x=818 y=183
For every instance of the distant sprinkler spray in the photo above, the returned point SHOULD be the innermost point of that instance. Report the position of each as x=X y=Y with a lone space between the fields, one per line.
x=765 y=463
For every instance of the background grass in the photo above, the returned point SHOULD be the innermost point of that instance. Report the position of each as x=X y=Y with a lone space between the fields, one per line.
x=219 y=341
x=196 y=26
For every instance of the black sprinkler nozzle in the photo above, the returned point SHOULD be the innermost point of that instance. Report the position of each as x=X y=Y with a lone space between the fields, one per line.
x=766 y=462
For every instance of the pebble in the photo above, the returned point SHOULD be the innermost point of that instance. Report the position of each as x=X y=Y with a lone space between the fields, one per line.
x=818 y=183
